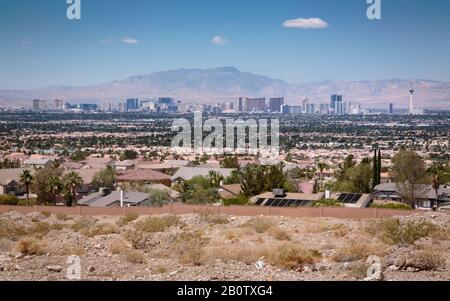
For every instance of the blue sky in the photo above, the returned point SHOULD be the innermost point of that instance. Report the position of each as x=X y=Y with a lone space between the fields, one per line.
x=116 y=39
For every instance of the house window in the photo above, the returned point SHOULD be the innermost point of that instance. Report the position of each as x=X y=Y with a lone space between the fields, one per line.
x=425 y=204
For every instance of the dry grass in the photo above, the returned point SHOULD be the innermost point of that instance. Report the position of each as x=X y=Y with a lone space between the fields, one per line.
x=293 y=256
x=136 y=238
x=427 y=260
x=11 y=230
x=278 y=233
x=157 y=224
x=359 y=270
x=118 y=247
x=211 y=218
x=190 y=247
x=46 y=214
x=244 y=254
x=83 y=223
x=6 y=245
x=69 y=250
x=31 y=246
x=358 y=251
x=134 y=256
x=259 y=224
x=128 y=218
x=63 y=217
x=101 y=229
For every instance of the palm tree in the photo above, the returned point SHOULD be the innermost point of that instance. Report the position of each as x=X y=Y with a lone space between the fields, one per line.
x=54 y=187
x=72 y=181
x=435 y=183
x=27 y=179
x=321 y=166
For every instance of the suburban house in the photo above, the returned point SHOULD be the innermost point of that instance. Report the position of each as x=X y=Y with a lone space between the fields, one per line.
x=187 y=173
x=10 y=181
x=38 y=163
x=98 y=163
x=143 y=177
x=122 y=165
x=425 y=195
x=231 y=191
x=105 y=198
x=278 y=198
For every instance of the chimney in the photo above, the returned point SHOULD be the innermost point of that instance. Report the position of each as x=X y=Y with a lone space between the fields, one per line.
x=122 y=198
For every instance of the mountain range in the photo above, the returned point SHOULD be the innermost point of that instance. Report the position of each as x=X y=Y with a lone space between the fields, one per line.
x=224 y=83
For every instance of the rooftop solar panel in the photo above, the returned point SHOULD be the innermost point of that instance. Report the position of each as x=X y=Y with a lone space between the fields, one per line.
x=269 y=202
x=276 y=203
x=259 y=202
x=283 y=203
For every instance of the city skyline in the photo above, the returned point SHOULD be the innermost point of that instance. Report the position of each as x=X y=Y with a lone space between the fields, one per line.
x=326 y=40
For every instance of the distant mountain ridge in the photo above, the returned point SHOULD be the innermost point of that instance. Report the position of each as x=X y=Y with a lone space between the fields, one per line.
x=216 y=84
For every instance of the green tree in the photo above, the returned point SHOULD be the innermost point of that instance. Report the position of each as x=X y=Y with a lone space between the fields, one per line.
x=321 y=166
x=408 y=171
x=54 y=187
x=129 y=155
x=27 y=179
x=71 y=182
x=252 y=180
x=104 y=179
x=158 y=198
x=230 y=162
x=41 y=179
x=215 y=179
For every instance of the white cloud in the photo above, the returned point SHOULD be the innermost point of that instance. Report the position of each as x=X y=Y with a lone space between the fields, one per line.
x=128 y=40
x=106 y=41
x=220 y=41
x=315 y=23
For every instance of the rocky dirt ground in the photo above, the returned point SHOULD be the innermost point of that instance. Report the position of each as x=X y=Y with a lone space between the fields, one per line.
x=204 y=246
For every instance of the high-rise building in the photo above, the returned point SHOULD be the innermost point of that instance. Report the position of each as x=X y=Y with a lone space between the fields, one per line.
x=324 y=108
x=333 y=101
x=411 y=102
x=39 y=105
x=275 y=104
x=346 y=107
x=107 y=106
x=310 y=108
x=88 y=107
x=287 y=109
x=305 y=104
x=391 y=109
x=59 y=104
x=339 y=108
x=132 y=104
x=254 y=104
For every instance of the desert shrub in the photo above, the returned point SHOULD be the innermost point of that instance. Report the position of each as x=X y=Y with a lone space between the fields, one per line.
x=157 y=224
x=327 y=203
x=31 y=246
x=405 y=232
x=259 y=224
x=101 y=229
x=212 y=218
x=190 y=247
x=83 y=223
x=136 y=238
x=46 y=214
x=10 y=200
x=40 y=229
x=118 y=247
x=11 y=230
x=357 y=251
x=398 y=206
x=426 y=260
x=63 y=217
x=359 y=270
x=278 y=233
x=293 y=256
x=128 y=218
x=134 y=256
